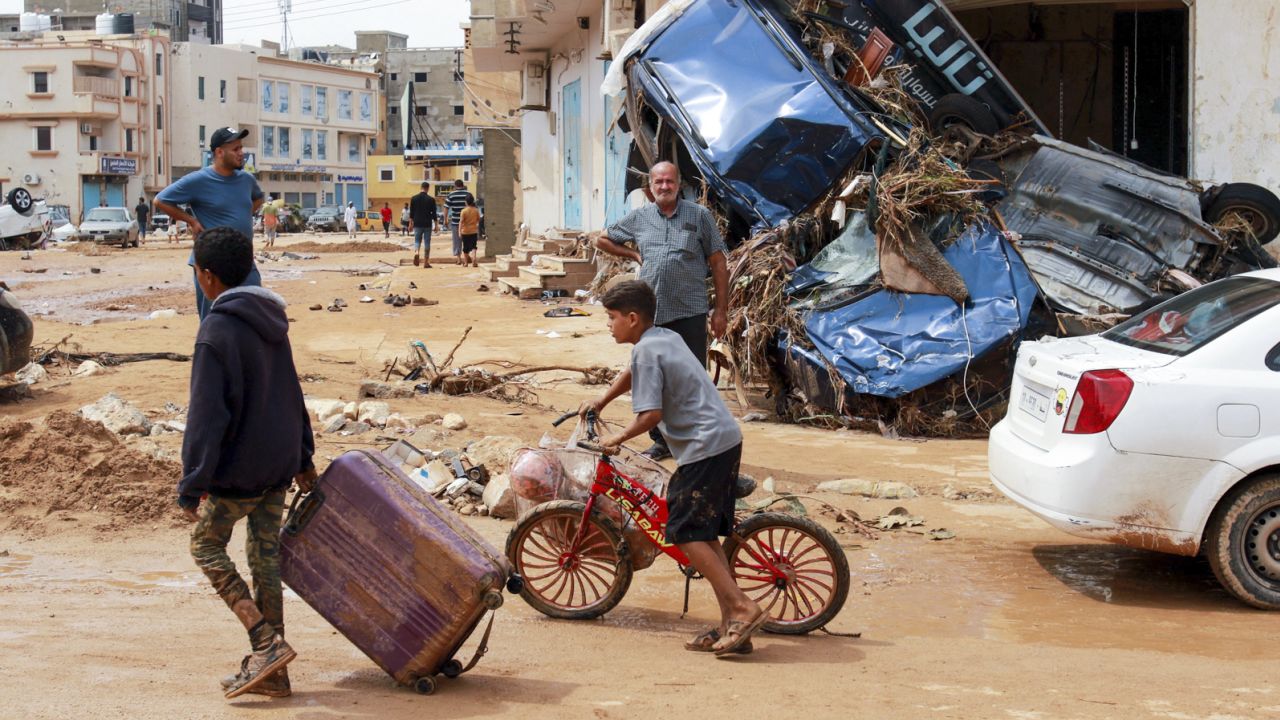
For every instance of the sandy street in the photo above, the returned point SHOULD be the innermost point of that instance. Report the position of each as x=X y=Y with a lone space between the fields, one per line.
x=105 y=615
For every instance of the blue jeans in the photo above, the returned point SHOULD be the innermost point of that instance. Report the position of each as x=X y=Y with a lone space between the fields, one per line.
x=422 y=236
x=203 y=303
x=457 y=239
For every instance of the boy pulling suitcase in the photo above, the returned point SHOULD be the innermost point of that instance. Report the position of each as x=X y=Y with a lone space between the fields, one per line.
x=248 y=435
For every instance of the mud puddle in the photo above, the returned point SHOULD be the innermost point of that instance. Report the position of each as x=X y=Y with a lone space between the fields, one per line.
x=30 y=570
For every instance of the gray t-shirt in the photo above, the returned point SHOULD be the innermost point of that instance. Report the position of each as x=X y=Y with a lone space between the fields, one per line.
x=666 y=376
x=675 y=252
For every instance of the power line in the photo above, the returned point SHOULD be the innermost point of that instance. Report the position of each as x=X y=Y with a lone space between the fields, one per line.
x=350 y=9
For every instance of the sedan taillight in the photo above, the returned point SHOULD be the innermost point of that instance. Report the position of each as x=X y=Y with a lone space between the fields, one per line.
x=1100 y=396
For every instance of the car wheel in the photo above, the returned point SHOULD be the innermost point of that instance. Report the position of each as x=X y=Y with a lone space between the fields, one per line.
x=20 y=200
x=956 y=109
x=1254 y=204
x=1243 y=542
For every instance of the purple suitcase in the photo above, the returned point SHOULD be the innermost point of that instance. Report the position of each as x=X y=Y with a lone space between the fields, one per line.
x=393 y=570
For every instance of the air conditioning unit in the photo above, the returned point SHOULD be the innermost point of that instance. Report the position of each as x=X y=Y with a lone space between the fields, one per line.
x=31 y=179
x=533 y=85
x=86 y=128
x=619 y=24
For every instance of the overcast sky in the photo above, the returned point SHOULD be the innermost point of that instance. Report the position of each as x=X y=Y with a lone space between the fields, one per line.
x=428 y=23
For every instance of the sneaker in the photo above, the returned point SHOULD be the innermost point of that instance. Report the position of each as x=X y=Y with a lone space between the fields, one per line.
x=656 y=452
x=277 y=685
x=261 y=665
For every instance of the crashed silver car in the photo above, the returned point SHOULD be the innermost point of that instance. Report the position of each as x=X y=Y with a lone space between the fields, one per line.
x=24 y=221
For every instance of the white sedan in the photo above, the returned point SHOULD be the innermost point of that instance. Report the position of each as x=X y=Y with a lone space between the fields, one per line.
x=1162 y=433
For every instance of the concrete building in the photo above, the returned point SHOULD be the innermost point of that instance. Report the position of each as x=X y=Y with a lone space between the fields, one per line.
x=1148 y=78
x=182 y=21
x=425 y=103
x=394 y=179
x=310 y=124
x=492 y=107
x=87 y=118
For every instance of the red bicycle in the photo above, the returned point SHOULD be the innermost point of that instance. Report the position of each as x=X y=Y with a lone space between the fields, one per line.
x=575 y=560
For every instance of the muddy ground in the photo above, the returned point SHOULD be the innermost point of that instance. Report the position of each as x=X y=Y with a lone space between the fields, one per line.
x=105 y=616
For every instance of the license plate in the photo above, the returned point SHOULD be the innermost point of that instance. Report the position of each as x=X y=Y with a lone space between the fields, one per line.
x=1034 y=404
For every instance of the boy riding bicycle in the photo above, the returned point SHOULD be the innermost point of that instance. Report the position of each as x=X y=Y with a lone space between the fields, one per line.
x=671 y=391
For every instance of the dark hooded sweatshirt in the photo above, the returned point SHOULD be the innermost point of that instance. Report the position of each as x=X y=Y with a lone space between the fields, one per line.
x=248 y=431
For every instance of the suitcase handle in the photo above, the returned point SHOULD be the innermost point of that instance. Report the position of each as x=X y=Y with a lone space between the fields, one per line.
x=302 y=509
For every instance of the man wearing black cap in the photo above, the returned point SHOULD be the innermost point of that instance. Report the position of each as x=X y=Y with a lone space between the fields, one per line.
x=221 y=195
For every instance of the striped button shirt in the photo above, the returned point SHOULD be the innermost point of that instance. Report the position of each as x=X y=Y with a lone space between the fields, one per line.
x=674 y=252
x=455 y=202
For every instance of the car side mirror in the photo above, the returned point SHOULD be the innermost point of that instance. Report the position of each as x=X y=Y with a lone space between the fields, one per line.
x=1273 y=359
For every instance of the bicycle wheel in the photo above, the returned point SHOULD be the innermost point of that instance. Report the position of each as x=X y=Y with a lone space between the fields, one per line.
x=576 y=585
x=815 y=580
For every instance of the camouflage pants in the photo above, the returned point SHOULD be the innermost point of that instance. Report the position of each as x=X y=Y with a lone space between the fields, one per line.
x=209 y=538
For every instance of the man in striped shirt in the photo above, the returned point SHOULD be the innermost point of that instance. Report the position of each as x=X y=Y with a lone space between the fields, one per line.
x=457 y=200
x=677 y=245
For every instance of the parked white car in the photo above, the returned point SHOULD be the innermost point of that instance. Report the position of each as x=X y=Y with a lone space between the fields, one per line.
x=1162 y=433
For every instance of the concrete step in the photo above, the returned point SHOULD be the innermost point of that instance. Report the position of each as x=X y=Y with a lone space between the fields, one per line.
x=554 y=279
x=568 y=264
x=497 y=269
x=525 y=290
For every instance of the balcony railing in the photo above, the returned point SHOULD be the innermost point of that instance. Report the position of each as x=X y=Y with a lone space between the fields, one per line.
x=108 y=87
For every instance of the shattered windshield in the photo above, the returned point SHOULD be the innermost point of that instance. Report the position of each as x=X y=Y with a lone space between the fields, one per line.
x=1194 y=319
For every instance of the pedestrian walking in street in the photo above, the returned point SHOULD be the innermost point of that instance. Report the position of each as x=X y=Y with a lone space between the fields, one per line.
x=248 y=436
x=142 y=212
x=422 y=217
x=456 y=201
x=349 y=216
x=469 y=227
x=220 y=195
x=386 y=219
x=404 y=220
x=677 y=244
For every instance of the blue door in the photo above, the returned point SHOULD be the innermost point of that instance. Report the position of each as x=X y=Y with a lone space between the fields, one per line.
x=90 y=193
x=571 y=117
x=115 y=195
x=617 y=146
x=355 y=194
x=337 y=194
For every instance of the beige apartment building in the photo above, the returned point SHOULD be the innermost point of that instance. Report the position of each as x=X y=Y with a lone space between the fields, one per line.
x=310 y=125
x=84 y=119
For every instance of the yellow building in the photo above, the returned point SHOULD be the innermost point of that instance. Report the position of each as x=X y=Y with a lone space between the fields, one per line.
x=393 y=181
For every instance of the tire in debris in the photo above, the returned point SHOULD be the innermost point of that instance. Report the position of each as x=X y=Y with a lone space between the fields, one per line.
x=1256 y=204
x=956 y=109
x=1242 y=541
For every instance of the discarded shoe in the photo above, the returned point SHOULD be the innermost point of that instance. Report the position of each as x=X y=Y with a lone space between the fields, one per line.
x=277 y=685
x=261 y=665
x=399 y=301
x=334 y=308
x=422 y=302
x=482 y=288
x=340 y=302
x=317 y=306
x=565 y=311
x=366 y=299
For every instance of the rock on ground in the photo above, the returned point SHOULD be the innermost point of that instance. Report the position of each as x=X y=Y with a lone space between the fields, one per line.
x=499 y=497
x=374 y=413
x=350 y=410
x=32 y=374
x=869 y=488
x=323 y=409
x=495 y=452
x=454 y=421
x=379 y=389
x=116 y=415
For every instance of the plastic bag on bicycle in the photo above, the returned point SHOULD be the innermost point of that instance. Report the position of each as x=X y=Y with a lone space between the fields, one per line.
x=559 y=473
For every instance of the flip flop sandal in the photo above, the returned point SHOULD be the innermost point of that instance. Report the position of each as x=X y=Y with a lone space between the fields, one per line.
x=334 y=308
x=705 y=642
x=738 y=633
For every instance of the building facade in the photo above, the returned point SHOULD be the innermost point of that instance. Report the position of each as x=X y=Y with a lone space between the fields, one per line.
x=310 y=124
x=89 y=119
x=425 y=101
x=181 y=21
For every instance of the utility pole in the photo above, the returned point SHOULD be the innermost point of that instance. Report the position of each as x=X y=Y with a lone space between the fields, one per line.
x=286 y=6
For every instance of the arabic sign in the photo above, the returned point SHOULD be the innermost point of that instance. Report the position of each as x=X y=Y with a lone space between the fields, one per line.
x=109 y=165
x=351 y=178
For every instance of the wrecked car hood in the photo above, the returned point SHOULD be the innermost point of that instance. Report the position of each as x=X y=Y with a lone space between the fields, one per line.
x=767 y=127
x=890 y=343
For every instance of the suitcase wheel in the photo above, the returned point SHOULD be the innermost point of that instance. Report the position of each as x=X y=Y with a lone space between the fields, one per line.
x=451 y=669
x=515 y=584
x=492 y=599
x=425 y=685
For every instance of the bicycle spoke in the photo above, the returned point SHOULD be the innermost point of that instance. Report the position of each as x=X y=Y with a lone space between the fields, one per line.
x=592 y=573
x=585 y=578
x=808 y=581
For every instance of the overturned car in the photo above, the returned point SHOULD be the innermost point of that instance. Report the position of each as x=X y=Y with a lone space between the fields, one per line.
x=927 y=240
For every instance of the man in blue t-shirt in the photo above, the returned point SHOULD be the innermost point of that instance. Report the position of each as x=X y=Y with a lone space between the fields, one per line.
x=221 y=195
